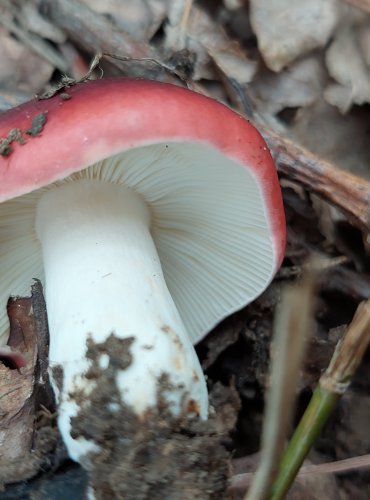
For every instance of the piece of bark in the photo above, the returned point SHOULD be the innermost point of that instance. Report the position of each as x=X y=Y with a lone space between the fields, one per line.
x=23 y=390
x=41 y=323
x=17 y=385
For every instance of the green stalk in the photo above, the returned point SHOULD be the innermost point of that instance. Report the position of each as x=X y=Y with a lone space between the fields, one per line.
x=332 y=385
x=319 y=409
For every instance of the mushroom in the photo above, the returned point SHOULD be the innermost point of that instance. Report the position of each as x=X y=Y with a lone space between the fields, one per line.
x=149 y=212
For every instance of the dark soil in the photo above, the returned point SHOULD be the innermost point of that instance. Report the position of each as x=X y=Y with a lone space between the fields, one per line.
x=156 y=457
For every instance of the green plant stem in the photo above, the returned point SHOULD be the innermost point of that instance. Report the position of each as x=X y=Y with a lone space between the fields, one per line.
x=318 y=411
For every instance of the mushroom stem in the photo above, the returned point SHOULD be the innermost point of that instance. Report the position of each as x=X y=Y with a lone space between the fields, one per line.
x=103 y=276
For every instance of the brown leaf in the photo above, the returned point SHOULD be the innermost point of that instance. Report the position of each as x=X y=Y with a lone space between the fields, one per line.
x=348 y=63
x=286 y=30
x=346 y=137
x=20 y=67
x=34 y=22
x=139 y=18
x=299 y=85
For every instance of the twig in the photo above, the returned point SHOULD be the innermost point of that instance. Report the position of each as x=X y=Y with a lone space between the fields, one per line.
x=346 y=359
x=242 y=481
x=292 y=325
x=169 y=67
x=349 y=193
x=338 y=467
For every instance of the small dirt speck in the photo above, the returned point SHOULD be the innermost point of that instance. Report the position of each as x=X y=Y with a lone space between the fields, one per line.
x=169 y=331
x=15 y=134
x=193 y=407
x=57 y=374
x=38 y=123
x=5 y=148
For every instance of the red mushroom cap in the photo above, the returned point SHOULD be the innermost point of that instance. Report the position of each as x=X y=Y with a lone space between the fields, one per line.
x=48 y=140
x=96 y=119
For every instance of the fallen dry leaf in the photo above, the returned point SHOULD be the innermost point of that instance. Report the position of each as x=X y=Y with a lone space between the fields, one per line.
x=17 y=385
x=31 y=20
x=343 y=140
x=348 y=63
x=288 y=29
x=20 y=67
x=214 y=50
x=139 y=18
x=233 y=64
x=297 y=86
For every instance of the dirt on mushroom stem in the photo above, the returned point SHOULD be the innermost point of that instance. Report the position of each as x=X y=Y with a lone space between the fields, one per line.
x=156 y=456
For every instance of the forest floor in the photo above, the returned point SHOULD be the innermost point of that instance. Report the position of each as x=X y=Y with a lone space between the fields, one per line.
x=301 y=73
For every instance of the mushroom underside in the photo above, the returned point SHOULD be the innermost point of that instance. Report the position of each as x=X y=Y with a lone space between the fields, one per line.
x=207 y=219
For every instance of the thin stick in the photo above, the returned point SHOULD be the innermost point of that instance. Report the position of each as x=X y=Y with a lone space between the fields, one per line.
x=242 y=481
x=351 y=194
x=292 y=325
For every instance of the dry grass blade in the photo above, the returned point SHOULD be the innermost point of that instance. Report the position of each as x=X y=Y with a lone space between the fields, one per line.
x=292 y=326
x=349 y=352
